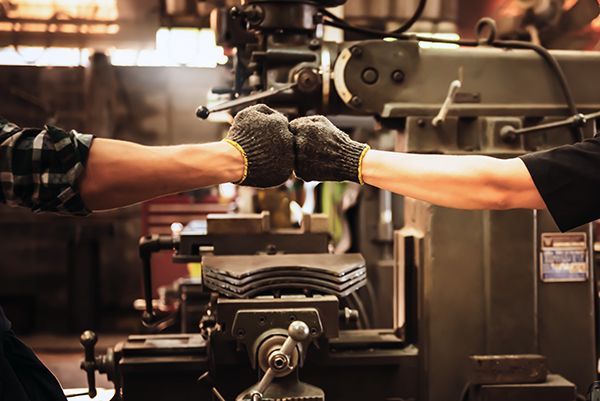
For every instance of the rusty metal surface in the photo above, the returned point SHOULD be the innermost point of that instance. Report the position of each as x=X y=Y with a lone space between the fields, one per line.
x=556 y=388
x=507 y=369
x=238 y=223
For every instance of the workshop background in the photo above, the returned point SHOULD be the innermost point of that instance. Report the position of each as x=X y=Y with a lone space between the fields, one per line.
x=136 y=70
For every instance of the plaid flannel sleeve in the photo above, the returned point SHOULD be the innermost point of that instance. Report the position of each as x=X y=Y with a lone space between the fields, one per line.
x=40 y=168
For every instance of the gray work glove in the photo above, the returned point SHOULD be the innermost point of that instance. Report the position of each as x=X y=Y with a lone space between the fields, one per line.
x=325 y=153
x=262 y=136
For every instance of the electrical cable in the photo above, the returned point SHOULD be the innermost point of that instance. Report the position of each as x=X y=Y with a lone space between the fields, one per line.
x=373 y=310
x=361 y=310
x=77 y=395
x=414 y=18
x=489 y=40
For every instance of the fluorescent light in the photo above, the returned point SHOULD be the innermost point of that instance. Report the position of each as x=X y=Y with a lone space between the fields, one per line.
x=447 y=36
x=100 y=10
x=44 y=57
x=188 y=47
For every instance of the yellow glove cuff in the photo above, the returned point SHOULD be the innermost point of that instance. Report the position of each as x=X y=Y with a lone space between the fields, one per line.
x=360 y=162
x=243 y=152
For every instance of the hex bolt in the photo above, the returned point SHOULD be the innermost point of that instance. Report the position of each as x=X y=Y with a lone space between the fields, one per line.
x=356 y=101
x=314 y=44
x=279 y=362
x=398 y=76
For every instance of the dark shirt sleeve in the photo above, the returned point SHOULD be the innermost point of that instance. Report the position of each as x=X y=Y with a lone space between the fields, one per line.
x=40 y=168
x=568 y=179
x=5 y=324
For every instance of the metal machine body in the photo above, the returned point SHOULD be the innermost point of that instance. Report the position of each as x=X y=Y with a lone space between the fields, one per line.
x=475 y=277
x=289 y=345
x=464 y=282
x=230 y=362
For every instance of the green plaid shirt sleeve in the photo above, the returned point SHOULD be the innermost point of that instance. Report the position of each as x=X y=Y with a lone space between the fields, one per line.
x=40 y=168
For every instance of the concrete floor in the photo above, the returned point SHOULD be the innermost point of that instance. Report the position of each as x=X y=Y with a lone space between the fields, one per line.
x=63 y=355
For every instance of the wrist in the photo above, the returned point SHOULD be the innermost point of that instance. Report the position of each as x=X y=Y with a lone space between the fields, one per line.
x=235 y=161
x=368 y=167
x=361 y=160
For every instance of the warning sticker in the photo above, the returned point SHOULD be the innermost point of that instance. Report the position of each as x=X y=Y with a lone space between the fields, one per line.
x=564 y=257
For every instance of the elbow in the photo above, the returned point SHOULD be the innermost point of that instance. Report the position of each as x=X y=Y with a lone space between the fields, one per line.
x=503 y=198
x=501 y=190
x=500 y=199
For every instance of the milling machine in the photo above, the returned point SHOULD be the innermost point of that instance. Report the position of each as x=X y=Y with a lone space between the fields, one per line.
x=464 y=282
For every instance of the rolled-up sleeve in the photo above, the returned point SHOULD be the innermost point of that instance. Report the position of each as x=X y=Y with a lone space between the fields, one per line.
x=568 y=179
x=40 y=168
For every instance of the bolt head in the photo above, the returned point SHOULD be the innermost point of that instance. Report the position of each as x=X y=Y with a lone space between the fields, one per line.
x=356 y=51
x=370 y=75
x=356 y=101
x=314 y=44
x=398 y=76
x=279 y=362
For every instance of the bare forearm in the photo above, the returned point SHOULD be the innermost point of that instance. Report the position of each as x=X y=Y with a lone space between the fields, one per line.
x=122 y=173
x=464 y=182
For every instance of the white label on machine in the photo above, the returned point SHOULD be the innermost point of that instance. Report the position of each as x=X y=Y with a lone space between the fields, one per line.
x=564 y=257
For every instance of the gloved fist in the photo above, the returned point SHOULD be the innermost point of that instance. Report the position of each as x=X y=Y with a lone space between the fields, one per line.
x=262 y=136
x=325 y=153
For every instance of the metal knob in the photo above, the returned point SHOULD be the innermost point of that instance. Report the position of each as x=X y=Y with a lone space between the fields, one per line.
x=280 y=360
x=89 y=339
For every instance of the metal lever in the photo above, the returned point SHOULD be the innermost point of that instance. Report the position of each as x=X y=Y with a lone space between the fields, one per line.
x=452 y=91
x=510 y=133
x=89 y=339
x=280 y=361
x=203 y=112
x=147 y=246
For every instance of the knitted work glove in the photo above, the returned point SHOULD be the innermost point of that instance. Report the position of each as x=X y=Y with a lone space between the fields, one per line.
x=266 y=144
x=325 y=153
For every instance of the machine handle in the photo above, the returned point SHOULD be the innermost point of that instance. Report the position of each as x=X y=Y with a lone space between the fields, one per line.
x=452 y=91
x=89 y=339
x=281 y=360
x=147 y=246
x=510 y=133
x=203 y=112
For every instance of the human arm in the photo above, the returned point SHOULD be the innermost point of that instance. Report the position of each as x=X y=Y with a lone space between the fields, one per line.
x=52 y=170
x=463 y=182
x=120 y=173
x=325 y=153
x=565 y=180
